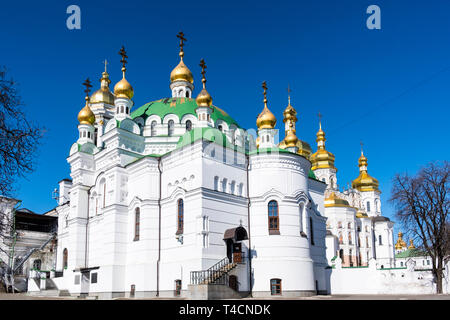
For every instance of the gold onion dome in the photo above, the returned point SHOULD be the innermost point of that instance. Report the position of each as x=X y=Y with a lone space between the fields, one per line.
x=181 y=72
x=123 y=88
x=322 y=159
x=290 y=116
x=86 y=116
x=103 y=95
x=411 y=244
x=361 y=214
x=291 y=139
x=203 y=99
x=400 y=243
x=266 y=119
x=334 y=201
x=364 y=182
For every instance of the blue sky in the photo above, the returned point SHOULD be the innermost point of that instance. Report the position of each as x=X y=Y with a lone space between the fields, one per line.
x=388 y=88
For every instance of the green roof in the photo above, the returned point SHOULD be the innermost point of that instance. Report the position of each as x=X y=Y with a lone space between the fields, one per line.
x=411 y=253
x=208 y=133
x=311 y=174
x=180 y=107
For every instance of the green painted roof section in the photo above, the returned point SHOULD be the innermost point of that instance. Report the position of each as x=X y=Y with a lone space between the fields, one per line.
x=180 y=107
x=311 y=175
x=208 y=134
x=411 y=253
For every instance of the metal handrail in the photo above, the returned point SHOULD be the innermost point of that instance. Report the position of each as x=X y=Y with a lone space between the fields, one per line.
x=217 y=274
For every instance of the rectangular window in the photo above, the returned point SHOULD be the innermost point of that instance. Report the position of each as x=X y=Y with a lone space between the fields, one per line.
x=311 y=228
x=94 y=278
x=275 y=287
x=77 y=279
x=137 y=224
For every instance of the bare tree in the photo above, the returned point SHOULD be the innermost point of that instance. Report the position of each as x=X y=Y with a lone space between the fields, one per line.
x=422 y=205
x=19 y=138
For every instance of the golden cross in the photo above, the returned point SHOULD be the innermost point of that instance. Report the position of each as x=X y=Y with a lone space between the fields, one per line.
x=180 y=36
x=123 y=53
x=87 y=84
x=105 y=62
x=203 y=66
x=264 y=86
x=361 y=143
x=320 y=119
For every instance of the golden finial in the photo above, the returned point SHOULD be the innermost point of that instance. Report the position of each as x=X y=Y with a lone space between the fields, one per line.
x=320 y=120
x=362 y=151
x=180 y=36
x=105 y=62
x=264 y=86
x=87 y=84
x=203 y=66
x=123 y=53
x=289 y=95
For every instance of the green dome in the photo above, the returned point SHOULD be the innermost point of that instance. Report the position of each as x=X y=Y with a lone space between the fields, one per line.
x=180 y=107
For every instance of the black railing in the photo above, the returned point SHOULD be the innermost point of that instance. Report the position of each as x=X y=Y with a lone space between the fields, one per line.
x=217 y=274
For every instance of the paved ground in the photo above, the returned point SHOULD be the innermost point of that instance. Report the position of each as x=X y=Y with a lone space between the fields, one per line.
x=22 y=296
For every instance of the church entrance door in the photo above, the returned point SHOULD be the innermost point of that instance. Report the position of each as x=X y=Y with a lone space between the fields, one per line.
x=233 y=283
x=85 y=279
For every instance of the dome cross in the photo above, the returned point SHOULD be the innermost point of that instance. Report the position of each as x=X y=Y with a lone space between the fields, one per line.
x=203 y=66
x=180 y=36
x=87 y=84
x=123 y=53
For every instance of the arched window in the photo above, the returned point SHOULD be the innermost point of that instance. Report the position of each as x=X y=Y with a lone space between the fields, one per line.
x=349 y=238
x=137 y=223
x=188 y=125
x=65 y=258
x=341 y=239
x=379 y=240
x=368 y=206
x=180 y=216
x=220 y=127
x=301 y=208
x=339 y=224
x=126 y=109
x=367 y=242
x=273 y=217
x=233 y=184
x=341 y=255
x=153 y=128
x=171 y=125
x=241 y=189
x=311 y=230
x=350 y=258
x=187 y=94
x=275 y=287
x=349 y=226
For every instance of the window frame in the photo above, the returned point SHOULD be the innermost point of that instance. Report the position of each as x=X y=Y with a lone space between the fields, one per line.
x=277 y=285
x=137 y=224
x=273 y=217
x=180 y=216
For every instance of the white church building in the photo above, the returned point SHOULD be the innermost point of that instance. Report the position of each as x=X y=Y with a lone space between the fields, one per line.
x=174 y=198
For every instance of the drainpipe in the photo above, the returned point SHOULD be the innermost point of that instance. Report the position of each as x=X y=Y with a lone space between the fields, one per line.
x=159 y=229
x=249 y=237
x=87 y=222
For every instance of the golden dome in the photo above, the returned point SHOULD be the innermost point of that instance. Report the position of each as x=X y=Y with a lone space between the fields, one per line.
x=181 y=73
x=322 y=159
x=334 y=201
x=364 y=182
x=266 y=119
x=203 y=99
x=411 y=244
x=123 y=89
x=290 y=117
x=400 y=243
x=291 y=139
x=361 y=214
x=86 y=116
x=103 y=95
